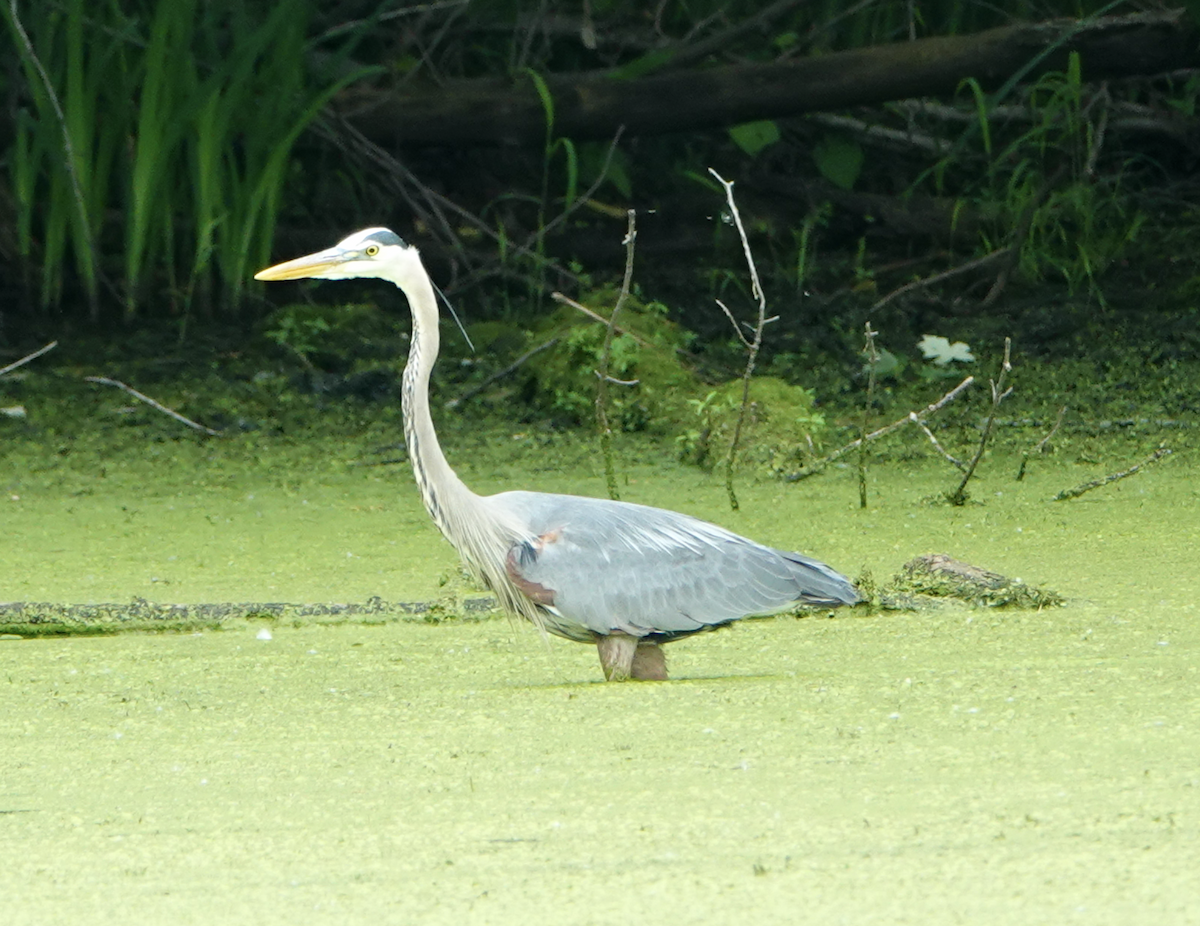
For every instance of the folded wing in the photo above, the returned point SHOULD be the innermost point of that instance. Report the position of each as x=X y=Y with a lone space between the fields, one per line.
x=601 y=567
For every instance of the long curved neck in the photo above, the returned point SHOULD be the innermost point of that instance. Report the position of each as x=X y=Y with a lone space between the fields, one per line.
x=445 y=496
x=480 y=530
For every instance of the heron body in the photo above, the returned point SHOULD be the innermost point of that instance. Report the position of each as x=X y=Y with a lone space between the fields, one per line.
x=625 y=577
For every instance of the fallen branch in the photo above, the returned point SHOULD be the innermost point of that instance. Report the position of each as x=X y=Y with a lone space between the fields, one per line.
x=24 y=360
x=911 y=417
x=903 y=139
x=591 y=105
x=105 y=381
x=1112 y=477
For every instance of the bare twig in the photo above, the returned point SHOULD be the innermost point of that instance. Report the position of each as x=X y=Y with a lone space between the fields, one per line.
x=24 y=360
x=954 y=461
x=1041 y=445
x=420 y=9
x=392 y=172
x=432 y=207
x=721 y=41
x=587 y=194
x=610 y=472
x=105 y=381
x=999 y=394
x=500 y=374
x=872 y=363
x=752 y=345
x=940 y=277
x=1112 y=477
x=618 y=382
x=905 y=139
x=562 y=299
x=911 y=417
x=567 y=300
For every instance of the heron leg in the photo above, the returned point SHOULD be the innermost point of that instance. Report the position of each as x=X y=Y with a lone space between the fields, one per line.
x=624 y=657
x=650 y=662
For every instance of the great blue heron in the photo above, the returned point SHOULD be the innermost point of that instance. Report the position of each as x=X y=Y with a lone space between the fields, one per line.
x=625 y=577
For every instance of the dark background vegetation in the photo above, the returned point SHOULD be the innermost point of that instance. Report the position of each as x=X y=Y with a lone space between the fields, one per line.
x=154 y=154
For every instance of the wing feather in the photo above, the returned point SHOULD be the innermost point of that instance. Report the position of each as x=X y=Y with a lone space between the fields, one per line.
x=616 y=567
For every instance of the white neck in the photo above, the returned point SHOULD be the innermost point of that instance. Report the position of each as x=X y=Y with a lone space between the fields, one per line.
x=481 y=530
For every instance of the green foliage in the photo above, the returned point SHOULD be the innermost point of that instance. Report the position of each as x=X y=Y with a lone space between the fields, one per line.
x=592 y=156
x=781 y=425
x=330 y=336
x=753 y=137
x=181 y=120
x=1069 y=221
x=648 y=352
x=839 y=160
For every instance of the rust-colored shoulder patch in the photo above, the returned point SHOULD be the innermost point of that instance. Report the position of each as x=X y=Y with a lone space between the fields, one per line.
x=528 y=552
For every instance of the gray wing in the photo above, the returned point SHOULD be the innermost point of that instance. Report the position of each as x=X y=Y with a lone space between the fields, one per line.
x=612 y=566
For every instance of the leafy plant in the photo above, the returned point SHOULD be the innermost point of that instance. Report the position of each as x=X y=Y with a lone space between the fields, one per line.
x=781 y=427
x=839 y=160
x=753 y=137
x=644 y=354
x=1066 y=219
x=331 y=336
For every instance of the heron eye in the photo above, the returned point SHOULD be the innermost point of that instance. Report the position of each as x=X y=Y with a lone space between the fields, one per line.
x=372 y=250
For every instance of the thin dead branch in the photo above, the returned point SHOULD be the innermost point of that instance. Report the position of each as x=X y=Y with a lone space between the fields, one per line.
x=752 y=345
x=24 y=360
x=902 y=139
x=529 y=247
x=999 y=394
x=954 y=461
x=1112 y=477
x=910 y=418
x=501 y=374
x=594 y=316
x=872 y=355
x=1040 y=446
x=105 y=381
x=721 y=41
x=941 y=277
x=610 y=471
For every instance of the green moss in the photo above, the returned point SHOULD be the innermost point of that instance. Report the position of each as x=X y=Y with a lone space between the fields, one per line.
x=332 y=337
x=780 y=426
x=938 y=576
x=646 y=354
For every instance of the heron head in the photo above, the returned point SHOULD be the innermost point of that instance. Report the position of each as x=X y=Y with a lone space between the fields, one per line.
x=372 y=252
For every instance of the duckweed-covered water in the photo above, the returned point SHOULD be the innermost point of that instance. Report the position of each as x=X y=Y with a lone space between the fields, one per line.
x=950 y=766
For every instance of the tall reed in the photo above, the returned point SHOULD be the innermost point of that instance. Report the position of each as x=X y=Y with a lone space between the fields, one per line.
x=181 y=118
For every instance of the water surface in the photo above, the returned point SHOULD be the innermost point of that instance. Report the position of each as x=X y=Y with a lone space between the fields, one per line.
x=959 y=765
